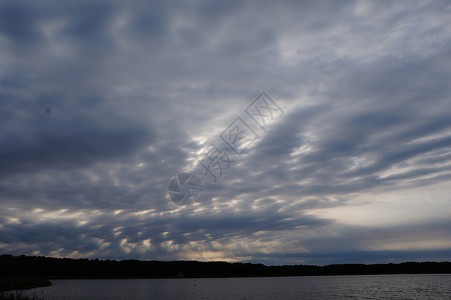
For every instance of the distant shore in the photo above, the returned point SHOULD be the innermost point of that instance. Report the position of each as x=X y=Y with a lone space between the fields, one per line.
x=20 y=267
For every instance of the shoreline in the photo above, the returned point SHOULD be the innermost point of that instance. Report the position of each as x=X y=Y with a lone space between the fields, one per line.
x=22 y=283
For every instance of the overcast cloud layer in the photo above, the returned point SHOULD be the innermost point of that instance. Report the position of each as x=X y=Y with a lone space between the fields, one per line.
x=103 y=102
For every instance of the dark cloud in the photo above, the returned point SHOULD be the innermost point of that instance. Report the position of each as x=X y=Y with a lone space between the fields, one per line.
x=18 y=23
x=70 y=148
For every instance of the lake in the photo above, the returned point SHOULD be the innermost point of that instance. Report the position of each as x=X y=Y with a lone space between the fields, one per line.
x=305 y=287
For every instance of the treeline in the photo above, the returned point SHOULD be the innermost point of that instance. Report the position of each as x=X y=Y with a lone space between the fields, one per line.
x=47 y=267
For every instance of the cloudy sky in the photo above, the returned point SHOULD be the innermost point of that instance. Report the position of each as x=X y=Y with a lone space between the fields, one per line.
x=103 y=102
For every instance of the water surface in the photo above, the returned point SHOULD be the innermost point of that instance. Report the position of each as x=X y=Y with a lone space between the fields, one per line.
x=303 y=287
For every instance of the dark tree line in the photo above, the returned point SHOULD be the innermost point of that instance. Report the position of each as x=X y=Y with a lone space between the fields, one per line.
x=85 y=268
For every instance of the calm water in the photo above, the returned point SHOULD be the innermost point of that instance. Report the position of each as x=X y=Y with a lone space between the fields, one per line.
x=309 y=287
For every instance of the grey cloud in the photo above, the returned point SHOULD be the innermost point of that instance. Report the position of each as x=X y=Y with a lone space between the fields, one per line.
x=18 y=22
x=66 y=144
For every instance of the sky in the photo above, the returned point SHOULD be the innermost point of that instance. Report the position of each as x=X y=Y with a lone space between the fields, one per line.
x=103 y=103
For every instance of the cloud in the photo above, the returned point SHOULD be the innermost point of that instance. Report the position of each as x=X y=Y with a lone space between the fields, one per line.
x=103 y=103
x=18 y=23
